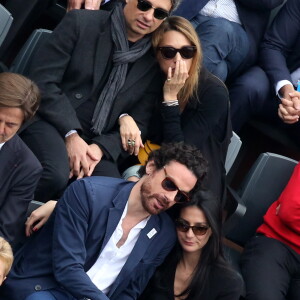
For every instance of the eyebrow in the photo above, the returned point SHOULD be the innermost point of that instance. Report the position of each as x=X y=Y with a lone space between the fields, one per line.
x=174 y=181
x=197 y=223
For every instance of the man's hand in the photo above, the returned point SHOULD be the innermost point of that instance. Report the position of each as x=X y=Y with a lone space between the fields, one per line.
x=88 y=4
x=94 y=156
x=289 y=109
x=79 y=154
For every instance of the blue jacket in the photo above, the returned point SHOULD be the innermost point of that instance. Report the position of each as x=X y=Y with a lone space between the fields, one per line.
x=19 y=174
x=280 y=51
x=254 y=15
x=70 y=243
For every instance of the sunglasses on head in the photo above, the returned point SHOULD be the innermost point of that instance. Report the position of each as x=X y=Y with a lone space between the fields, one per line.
x=186 y=52
x=159 y=13
x=169 y=185
x=183 y=226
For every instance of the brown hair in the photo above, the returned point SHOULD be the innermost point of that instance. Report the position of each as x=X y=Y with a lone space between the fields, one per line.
x=19 y=91
x=6 y=255
x=183 y=26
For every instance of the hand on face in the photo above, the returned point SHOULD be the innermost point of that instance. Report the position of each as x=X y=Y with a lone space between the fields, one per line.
x=175 y=81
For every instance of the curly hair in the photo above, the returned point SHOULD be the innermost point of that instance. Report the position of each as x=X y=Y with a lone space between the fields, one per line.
x=185 y=154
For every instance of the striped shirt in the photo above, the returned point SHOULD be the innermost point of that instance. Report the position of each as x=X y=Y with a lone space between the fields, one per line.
x=221 y=9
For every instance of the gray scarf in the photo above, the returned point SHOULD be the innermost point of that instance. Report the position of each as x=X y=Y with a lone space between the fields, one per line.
x=121 y=57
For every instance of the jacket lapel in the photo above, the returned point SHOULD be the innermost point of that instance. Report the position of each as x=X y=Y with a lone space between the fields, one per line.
x=102 y=54
x=141 y=67
x=8 y=161
x=146 y=237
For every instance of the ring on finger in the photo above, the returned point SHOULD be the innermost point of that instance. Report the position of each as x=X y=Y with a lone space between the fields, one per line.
x=168 y=79
x=133 y=142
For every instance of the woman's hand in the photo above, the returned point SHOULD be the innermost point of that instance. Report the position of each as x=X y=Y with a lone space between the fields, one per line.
x=174 y=83
x=130 y=135
x=39 y=217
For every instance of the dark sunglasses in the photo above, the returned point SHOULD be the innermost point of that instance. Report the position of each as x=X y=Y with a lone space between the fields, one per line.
x=186 y=52
x=169 y=185
x=184 y=227
x=159 y=13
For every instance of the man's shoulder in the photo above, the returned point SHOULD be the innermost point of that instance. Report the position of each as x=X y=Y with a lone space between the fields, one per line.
x=110 y=182
x=16 y=147
x=95 y=17
x=101 y=187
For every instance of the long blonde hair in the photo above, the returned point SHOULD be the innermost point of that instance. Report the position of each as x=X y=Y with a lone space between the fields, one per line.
x=183 y=26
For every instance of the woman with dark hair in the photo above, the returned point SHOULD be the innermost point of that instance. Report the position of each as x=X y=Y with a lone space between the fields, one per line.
x=196 y=269
x=195 y=104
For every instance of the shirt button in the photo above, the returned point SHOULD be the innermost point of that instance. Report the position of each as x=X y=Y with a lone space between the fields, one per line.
x=37 y=287
x=78 y=96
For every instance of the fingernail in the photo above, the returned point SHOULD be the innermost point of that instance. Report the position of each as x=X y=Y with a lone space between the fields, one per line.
x=35 y=229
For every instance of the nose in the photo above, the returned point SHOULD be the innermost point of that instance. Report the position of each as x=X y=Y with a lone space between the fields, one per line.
x=2 y=127
x=149 y=14
x=171 y=196
x=177 y=57
x=190 y=233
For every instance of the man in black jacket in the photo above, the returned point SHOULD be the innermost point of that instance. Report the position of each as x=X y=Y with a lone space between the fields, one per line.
x=95 y=67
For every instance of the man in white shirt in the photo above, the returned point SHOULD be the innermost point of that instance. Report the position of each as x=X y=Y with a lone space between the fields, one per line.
x=107 y=235
x=229 y=31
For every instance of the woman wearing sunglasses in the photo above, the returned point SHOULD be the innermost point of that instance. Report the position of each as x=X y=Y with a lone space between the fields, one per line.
x=196 y=269
x=195 y=104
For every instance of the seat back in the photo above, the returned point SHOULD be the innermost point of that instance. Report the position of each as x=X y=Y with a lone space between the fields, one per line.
x=33 y=205
x=23 y=60
x=261 y=187
x=5 y=22
x=274 y=12
x=233 y=150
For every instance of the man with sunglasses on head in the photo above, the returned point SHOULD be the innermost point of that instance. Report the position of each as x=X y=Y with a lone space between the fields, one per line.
x=95 y=67
x=107 y=235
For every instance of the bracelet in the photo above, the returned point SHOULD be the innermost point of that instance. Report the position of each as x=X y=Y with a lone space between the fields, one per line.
x=170 y=103
x=70 y=132
x=123 y=115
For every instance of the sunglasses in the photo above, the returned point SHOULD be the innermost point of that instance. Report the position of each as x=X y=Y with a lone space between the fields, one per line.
x=159 y=13
x=186 y=52
x=184 y=227
x=169 y=185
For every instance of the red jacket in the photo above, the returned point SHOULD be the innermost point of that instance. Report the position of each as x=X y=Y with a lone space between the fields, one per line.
x=282 y=220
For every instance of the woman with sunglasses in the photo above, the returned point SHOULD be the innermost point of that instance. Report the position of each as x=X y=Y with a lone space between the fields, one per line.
x=195 y=104
x=196 y=269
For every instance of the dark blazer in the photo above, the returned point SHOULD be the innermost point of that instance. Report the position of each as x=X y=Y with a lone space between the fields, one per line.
x=70 y=66
x=280 y=53
x=204 y=123
x=19 y=172
x=254 y=15
x=73 y=238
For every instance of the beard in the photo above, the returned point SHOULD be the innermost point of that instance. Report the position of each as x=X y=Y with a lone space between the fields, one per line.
x=149 y=200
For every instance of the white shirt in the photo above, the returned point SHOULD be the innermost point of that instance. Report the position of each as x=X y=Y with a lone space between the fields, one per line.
x=295 y=77
x=221 y=9
x=112 y=259
x=1 y=145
